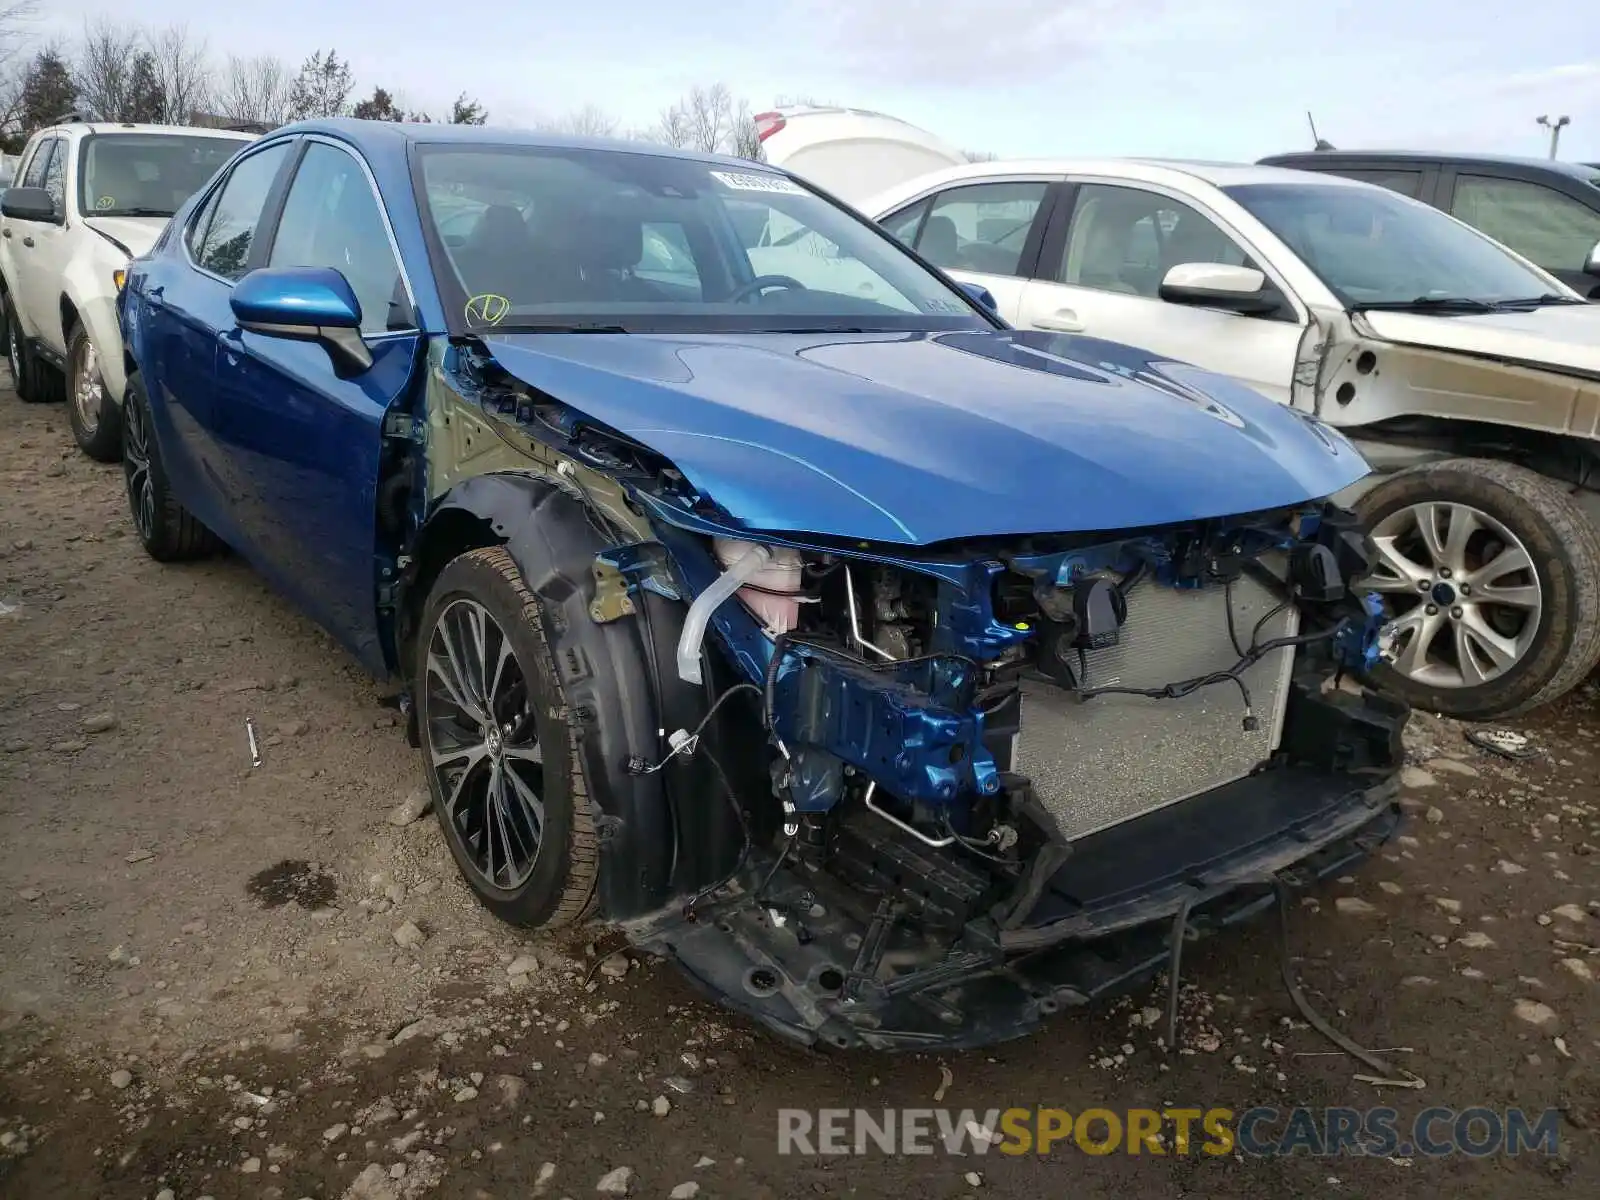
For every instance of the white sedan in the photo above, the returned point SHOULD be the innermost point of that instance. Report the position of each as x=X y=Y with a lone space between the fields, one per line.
x=1469 y=377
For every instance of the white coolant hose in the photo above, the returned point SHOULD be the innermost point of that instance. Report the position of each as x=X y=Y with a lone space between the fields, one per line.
x=694 y=625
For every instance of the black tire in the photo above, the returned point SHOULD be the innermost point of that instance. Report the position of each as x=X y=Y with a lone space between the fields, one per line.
x=560 y=888
x=1564 y=548
x=167 y=530
x=21 y=359
x=100 y=439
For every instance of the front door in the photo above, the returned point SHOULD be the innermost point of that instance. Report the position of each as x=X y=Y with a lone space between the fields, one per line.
x=1103 y=280
x=183 y=303
x=39 y=250
x=301 y=444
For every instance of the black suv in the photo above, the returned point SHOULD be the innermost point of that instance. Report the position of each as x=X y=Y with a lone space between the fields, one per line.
x=1547 y=211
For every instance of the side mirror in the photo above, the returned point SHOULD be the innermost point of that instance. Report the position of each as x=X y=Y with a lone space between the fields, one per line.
x=1215 y=285
x=29 y=204
x=313 y=304
x=1591 y=265
x=981 y=294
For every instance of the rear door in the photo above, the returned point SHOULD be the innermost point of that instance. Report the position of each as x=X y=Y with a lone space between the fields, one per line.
x=1553 y=224
x=1101 y=268
x=987 y=232
x=302 y=445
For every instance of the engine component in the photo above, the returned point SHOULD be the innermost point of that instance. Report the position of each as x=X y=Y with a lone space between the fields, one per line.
x=1314 y=572
x=699 y=614
x=773 y=592
x=1099 y=609
x=1115 y=757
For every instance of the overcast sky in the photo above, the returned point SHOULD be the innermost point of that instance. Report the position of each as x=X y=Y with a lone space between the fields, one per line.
x=1225 y=79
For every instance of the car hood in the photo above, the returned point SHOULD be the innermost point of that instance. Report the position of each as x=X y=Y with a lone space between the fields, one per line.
x=919 y=438
x=134 y=234
x=1563 y=336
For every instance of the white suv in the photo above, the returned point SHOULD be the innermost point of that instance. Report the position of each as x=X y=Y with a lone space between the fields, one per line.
x=85 y=199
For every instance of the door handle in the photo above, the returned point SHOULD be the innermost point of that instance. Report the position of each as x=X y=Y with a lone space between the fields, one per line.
x=1063 y=320
x=27 y=241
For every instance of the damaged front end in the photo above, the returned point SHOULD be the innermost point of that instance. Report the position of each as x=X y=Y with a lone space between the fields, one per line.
x=1003 y=769
x=874 y=794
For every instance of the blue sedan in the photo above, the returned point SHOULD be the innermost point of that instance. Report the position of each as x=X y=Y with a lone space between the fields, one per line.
x=750 y=586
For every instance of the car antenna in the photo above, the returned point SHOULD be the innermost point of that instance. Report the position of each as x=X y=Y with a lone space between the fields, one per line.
x=1317 y=142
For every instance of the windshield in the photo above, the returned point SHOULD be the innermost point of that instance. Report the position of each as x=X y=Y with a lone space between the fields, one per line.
x=147 y=174
x=1371 y=246
x=559 y=238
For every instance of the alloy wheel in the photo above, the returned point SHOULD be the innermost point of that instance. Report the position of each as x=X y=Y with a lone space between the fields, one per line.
x=1464 y=594
x=14 y=352
x=136 y=468
x=484 y=746
x=86 y=386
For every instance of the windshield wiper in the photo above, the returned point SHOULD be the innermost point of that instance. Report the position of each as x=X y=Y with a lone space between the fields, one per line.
x=549 y=327
x=1540 y=301
x=131 y=212
x=1443 y=304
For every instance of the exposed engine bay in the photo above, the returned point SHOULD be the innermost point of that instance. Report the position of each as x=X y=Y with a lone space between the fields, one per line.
x=946 y=733
x=972 y=784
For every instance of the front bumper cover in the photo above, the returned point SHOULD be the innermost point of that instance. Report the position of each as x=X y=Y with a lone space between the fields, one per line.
x=787 y=956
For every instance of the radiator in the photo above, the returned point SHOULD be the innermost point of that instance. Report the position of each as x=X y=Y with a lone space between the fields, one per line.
x=1100 y=762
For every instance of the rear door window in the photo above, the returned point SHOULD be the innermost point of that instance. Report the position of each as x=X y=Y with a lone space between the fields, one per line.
x=1544 y=225
x=225 y=249
x=1407 y=183
x=982 y=227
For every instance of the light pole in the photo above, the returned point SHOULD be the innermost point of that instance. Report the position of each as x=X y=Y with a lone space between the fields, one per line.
x=1555 y=130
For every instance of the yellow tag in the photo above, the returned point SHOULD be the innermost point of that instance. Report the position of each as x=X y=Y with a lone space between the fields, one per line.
x=487 y=309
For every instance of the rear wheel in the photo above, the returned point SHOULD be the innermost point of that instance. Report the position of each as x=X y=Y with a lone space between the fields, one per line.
x=507 y=785
x=167 y=530
x=1492 y=574
x=96 y=419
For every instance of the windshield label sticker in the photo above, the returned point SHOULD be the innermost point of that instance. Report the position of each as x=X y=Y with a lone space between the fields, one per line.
x=487 y=309
x=741 y=182
x=106 y=202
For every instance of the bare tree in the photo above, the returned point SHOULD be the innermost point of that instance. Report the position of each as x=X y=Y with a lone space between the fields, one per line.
x=589 y=121
x=673 y=128
x=710 y=120
x=980 y=156
x=104 y=68
x=15 y=34
x=182 y=72
x=255 y=90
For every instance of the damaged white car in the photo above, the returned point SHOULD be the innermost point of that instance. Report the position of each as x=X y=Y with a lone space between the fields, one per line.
x=1468 y=377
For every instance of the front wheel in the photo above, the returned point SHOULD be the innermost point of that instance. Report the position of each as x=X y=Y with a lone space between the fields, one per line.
x=1492 y=575
x=167 y=530
x=507 y=785
x=96 y=419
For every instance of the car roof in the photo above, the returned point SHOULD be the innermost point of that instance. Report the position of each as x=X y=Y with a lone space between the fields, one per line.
x=1579 y=170
x=88 y=127
x=377 y=137
x=1171 y=171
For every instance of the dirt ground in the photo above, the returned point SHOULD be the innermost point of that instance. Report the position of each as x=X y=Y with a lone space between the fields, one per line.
x=225 y=980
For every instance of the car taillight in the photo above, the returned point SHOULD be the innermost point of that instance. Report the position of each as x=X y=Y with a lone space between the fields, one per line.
x=767 y=124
